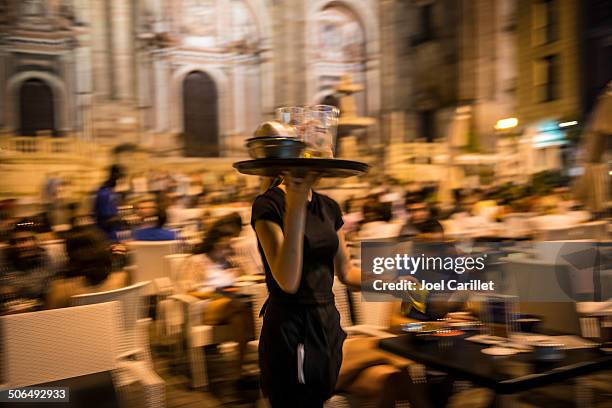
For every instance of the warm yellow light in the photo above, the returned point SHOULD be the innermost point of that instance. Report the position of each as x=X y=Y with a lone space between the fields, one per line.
x=507 y=123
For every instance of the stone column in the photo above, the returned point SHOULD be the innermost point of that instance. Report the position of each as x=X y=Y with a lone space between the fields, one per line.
x=238 y=119
x=99 y=49
x=67 y=110
x=145 y=89
x=122 y=49
x=268 y=88
x=254 y=107
x=224 y=21
x=3 y=80
x=161 y=85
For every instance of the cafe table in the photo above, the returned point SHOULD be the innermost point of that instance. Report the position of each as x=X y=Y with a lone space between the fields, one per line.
x=505 y=376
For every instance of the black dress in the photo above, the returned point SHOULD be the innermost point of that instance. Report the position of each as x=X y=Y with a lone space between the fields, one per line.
x=303 y=326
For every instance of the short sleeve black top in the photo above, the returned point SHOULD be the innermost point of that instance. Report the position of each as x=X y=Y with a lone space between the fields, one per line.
x=323 y=219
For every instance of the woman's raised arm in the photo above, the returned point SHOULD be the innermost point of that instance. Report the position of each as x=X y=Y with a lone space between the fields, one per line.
x=284 y=250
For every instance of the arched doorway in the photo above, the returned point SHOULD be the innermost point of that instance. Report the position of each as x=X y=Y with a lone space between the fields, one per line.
x=200 y=115
x=331 y=100
x=340 y=43
x=36 y=109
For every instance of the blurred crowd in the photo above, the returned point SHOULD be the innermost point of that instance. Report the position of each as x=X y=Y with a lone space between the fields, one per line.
x=91 y=245
x=65 y=250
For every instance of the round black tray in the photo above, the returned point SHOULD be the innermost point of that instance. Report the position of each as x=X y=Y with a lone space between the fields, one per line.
x=301 y=166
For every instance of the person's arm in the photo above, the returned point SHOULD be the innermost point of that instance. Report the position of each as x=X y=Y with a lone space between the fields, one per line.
x=346 y=272
x=284 y=249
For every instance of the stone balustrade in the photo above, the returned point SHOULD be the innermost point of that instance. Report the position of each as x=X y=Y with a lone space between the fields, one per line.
x=19 y=146
x=417 y=161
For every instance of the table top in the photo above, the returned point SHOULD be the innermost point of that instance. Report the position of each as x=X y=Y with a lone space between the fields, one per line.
x=504 y=375
x=323 y=167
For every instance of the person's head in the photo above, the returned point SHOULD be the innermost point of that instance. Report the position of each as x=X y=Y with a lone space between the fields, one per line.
x=24 y=252
x=146 y=208
x=151 y=212
x=115 y=172
x=231 y=222
x=217 y=243
x=430 y=231
x=377 y=211
x=89 y=254
x=418 y=212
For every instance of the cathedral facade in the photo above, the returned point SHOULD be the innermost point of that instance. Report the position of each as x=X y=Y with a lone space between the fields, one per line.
x=187 y=76
x=195 y=77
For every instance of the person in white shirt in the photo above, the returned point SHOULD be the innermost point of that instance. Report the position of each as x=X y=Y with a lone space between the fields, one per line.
x=210 y=268
x=378 y=222
x=210 y=265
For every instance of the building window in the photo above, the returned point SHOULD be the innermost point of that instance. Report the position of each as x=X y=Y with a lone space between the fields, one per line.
x=545 y=22
x=426 y=19
x=427 y=125
x=426 y=24
x=546 y=78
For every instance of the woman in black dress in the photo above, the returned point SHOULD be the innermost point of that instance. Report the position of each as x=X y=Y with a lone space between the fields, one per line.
x=302 y=245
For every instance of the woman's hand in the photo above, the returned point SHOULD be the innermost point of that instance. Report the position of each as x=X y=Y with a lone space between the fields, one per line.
x=298 y=190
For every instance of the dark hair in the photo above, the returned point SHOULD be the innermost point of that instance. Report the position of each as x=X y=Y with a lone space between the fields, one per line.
x=214 y=235
x=430 y=226
x=115 y=172
x=89 y=254
x=232 y=221
x=162 y=216
x=377 y=211
x=12 y=255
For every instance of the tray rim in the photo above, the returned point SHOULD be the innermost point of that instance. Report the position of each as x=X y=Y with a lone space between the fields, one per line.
x=349 y=165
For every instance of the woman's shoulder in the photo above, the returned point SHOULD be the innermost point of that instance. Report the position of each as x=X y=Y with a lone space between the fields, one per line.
x=327 y=201
x=269 y=206
x=271 y=195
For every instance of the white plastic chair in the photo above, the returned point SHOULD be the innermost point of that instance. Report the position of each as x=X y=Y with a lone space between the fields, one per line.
x=149 y=258
x=368 y=317
x=52 y=345
x=174 y=264
x=133 y=325
x=188 y=311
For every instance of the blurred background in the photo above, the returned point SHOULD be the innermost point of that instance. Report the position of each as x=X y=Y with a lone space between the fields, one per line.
x=482 y=120
x=471 y=92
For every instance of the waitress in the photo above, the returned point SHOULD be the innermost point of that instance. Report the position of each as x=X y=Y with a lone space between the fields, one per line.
x=301 y=243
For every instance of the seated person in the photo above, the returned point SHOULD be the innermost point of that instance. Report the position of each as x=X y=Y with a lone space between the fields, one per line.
x=210 y=265
x=377 y=222
x=26 y=271
x=423 y=305
x=380 y=379
x=383 y=378
x=418 y=213
x=89 y=268
x=210 y=268
x=153 y=220
x=244 y=244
